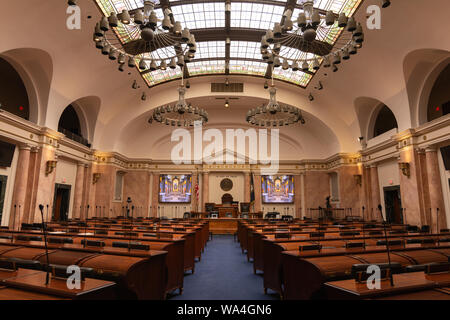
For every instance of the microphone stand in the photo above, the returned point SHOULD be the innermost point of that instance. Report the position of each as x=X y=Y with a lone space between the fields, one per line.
x=14 y=223
x=47 y=278
x=363 y=229
x=85 y=227
x=437 y=224
x=19 y=217
x=129 y=243
x=387 y=246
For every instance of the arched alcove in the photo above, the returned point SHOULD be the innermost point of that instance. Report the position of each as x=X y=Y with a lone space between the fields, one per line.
x=35 y=68
x=421 y=69
x=384 y=121
x=13 y=93
x=439 y=101
x=71 y=126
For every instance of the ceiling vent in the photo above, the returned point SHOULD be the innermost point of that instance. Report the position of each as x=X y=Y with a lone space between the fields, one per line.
x=230 y=87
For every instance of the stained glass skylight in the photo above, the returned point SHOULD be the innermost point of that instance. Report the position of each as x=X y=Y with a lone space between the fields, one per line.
x=255 y=15
x=200 y=15
x=211 y=55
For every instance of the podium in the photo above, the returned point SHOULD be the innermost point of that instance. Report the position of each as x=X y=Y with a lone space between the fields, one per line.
x=227 y=210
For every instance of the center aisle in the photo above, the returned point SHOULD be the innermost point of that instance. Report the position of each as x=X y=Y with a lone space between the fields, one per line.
x=223 y=274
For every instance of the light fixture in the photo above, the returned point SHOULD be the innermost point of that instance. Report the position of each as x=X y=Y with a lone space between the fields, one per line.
x=155 y=38
x=134 y=85
x=386 y=3
x=273 y=114
x=181 y=114
x=311 y=97
x=227 y=104
x=227 y=82
x=405 y=168
x=50 y=166
x=358 y=179
x=96 y=177
x=309 y=36
x=144 y=97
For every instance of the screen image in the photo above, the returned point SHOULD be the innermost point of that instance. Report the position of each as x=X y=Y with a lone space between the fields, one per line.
x=175 y=188
x=277 y=189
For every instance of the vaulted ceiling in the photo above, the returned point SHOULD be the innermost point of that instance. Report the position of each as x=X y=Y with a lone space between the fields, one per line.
x=62 y=66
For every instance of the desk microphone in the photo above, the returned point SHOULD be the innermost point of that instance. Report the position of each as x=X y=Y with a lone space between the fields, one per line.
x=387 y=245
x=41 y=209
x=363 y=228
x=14 y=223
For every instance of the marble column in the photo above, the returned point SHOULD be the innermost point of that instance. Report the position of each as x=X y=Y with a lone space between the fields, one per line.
x=410 y=187
x=78 y=191
x=205 y=192
x=297 y=196
x=194 y=192
x=435 y=189
x=155 y=195
x=247 y=183
x=257 y=182
x=20 y=187
x=375 y=192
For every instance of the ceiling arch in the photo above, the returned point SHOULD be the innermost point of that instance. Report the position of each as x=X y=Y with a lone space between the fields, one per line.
x=314 y=140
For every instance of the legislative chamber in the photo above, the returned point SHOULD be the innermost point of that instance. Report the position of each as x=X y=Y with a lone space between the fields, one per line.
x=225 y=150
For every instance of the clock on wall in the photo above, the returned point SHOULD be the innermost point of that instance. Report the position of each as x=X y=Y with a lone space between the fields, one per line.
x=226 y=184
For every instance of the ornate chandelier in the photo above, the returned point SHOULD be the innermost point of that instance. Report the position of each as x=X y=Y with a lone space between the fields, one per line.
x=315 y=37
x=181 y=114
x=273 y=114
x=159 y=44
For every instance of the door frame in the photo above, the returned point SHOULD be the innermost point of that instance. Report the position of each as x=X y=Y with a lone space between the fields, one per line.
x=64 y=187
x=393 y=188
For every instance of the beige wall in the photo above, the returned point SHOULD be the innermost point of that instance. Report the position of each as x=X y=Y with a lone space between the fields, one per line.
x=216 y=193
x=388 y=176
x=66 y=173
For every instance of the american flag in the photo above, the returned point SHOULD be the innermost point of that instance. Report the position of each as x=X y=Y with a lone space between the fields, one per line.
x=197 y=189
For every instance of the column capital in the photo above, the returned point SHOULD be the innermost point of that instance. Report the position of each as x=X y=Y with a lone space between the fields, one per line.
x=25 y=146
x=82 y=164
x=431 y=149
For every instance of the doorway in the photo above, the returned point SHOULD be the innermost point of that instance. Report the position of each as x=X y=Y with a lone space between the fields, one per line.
x=61 y=202
x=393 y=204
x=3 y=180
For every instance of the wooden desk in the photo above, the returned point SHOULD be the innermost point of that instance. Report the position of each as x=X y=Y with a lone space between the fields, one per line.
x=403 y=283
x=34 y=281
x=225 y=210
x=223 y=225
x=7 y=293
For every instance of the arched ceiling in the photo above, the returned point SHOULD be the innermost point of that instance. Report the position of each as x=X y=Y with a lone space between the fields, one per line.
x=75 y=69
x=311 y=140
x=228 y=37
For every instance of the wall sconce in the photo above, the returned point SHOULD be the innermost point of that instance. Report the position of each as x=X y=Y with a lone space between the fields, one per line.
x=95 y=177
x=358 y=179
x=404 y=166
x=50 y=166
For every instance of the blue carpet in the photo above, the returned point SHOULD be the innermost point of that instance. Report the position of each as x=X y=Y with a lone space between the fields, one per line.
x=223 y=274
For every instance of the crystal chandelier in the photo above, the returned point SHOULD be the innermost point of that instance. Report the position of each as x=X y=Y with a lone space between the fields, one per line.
x=181 y=114
x=159 y=44
x=315 y=37
x=273 y=114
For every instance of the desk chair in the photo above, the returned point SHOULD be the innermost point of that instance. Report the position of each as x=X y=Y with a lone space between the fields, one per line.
x=187 y=215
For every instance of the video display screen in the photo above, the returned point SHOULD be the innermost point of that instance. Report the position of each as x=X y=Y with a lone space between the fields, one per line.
x=175 y=188
x=277 y=189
